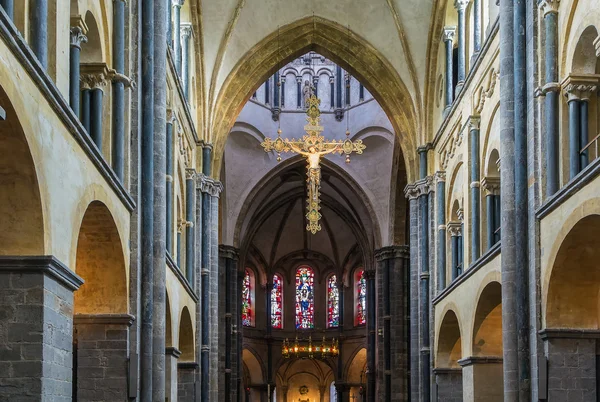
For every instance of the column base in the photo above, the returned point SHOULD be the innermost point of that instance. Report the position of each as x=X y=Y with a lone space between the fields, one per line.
x=36 y=328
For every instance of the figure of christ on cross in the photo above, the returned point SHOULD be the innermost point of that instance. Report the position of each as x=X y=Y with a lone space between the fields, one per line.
x=313 y=146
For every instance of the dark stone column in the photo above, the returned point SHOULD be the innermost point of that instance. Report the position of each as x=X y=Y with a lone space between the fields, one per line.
x=228 y=257
x=190 y=207
x=169 y=182
x=449 y=385
x=85 y=107
x=339 y=112
x=461 y=8
x=299 y=92
x=441 y=227
x=177 y=34
x=276 y=109
x=172 y=355
x=169 y=24
x=180 y=226
x=583 y=138
x=268 y=91
x=282 y=92
x=96 y=100
x=332 y=91
x=186 y=375
x=477 y=25
x=118 y=89
x=347 y=79
x=217 y=335
x=448 y=38
x=147 y=195
x=411 y=192
x=454 y=229
x=340 y=381
x=77 y=38
x=361 y=92
x=36 y=306
x=8 y=6
x=38 y=30
x=102 y=356
x=574 y=135
x=475 y=213
x=159 y=202
x=549 y=9
x=371 y=334
x=491 y=186
x=186 y=33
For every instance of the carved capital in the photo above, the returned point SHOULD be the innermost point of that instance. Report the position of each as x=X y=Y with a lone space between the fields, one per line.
x=77 y=37
x=186 y=30
x=474 y=123
x=180 y=225
x=190 y=174
x=209 y=186
x=448 y=34
x=580 y=87
x=299 y=80
x=549 y=6
x=461 y=5
x=229 y=252
x=411 y=191
x=460 y=213
x=491 y=185
x=177 y=3
x=440 y=176
x=391 y=252
x=171 y=117
x=454 y=228
x=94 y=75
x=419 y=188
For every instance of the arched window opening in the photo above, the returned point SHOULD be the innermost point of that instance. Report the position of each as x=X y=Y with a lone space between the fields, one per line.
x=277 y=303
x=248 y=299
x=333 y=300
x=361 y=298
x=305 y=306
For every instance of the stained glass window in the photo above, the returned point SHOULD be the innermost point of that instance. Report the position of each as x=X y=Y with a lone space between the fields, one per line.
x=277 y=303
x=333 y=300
x=305 y=306
x=361 y=298
x=248 y=299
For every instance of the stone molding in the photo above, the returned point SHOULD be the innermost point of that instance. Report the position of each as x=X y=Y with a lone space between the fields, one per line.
x=484 y=93
x=187 y=366
x=104 y=319
x=94 y=75
x=448 y=33
x=77 y=37
x=182 y=279
x=580 y=87
x=474 y=360
x=229 y=252
x=45 y=264
x=460 y=213
x=569 y=333
x=447 y=370
x=491 y=185
x=454 y=229
x=391 y=252
x=208 y=185
x=474 y=123
x=173 y=351
x=419 y=188
x=549 y=6
x=178 y=3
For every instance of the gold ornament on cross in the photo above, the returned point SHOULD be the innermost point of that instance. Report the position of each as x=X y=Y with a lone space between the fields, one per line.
x=313 y=146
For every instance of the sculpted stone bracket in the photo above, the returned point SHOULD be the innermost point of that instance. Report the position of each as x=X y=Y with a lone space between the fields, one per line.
x=419 y=188
x=486 y=90
x=97 y=75
x=208 y=185
x=580 y=87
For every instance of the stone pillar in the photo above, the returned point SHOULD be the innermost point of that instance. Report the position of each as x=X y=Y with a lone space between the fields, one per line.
x=8 y=6
x=584 y=132
x=268 y=91
x=299 y=92
x=371 y=334
x=190 y=207
x=475 y=212
x=172 y=355
x=448 y=38
x=96 y=107
x=119 y=82
x=38 y=30
x=461 y=8
x=77 y=38
x=186 y=377
x=571 y=363
x=332 y=92
x=440 y=178
x=277 y=95
x=574 y=135
x=85 y=106
x=491 y=186
x=477 y=26
x=347 y=79
x=339 y=112
x=549 y=10
x=455 y=231
x=186 y=34
x=480 y=378
x=36 y=305
x=169 y=24
x=282 y=92
x=177 y=34
x=228 y=257
x=169 y=182
x=361 y=92
x=180 y=226
x=449 y=384
x=101 y=342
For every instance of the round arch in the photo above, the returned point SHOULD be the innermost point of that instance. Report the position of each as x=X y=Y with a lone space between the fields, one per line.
x=334 y=42
x=487 y=323
x=449 y=342
x=186 y=337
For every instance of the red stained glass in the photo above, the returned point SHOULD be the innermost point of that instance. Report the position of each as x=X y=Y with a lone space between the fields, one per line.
x=277 y=303
x=305 y=306
x=247 y=312
x=361 y=298
x=333 y=300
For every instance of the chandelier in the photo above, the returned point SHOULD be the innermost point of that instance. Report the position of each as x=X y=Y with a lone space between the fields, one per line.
x=313 y=146
x=308 y=349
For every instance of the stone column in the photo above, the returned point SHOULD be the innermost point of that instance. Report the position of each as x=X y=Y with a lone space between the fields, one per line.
x=169 y=24
x=480 y=378
x=449 y=385
x=276 y=109
x=8 y=6
x=371 y=334
x=299 y=92
x=461 y=8
x=119 y=82
x=574 y=135
x=36 y=305
x=228 y=257
x=186 y=375
x=448 y=38
x=282 y=92
x=102 y=356
x=169 y=182
x=347 y=79
x=454 y=230
x=96 y=108
x=172 y=355
x=477 y=26
x=180 y=226
x=339 y=112
x=361 y=92
x=549 y=10
x=38 y=30
x=177 y=34
x=332 y=91
x=268 y=91
x=583 y=138
x=186 y=34
x=85 y=105
x=440 y=178
x=190 y=207
x=77 y=38
x=475 y=212
x=491 y=186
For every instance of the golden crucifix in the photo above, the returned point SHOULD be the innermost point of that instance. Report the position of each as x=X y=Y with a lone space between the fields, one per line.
x=313 y=146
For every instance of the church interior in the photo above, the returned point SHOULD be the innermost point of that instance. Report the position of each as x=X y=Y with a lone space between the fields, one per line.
x=299 y=201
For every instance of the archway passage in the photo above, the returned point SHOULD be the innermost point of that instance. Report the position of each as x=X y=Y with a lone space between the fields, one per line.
x=449 y=351
x=101 y=309
x=304 y=379
x=186 y=368
x=357 y=376
x=21 y=217
x=253 y=376
x=572 y=311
